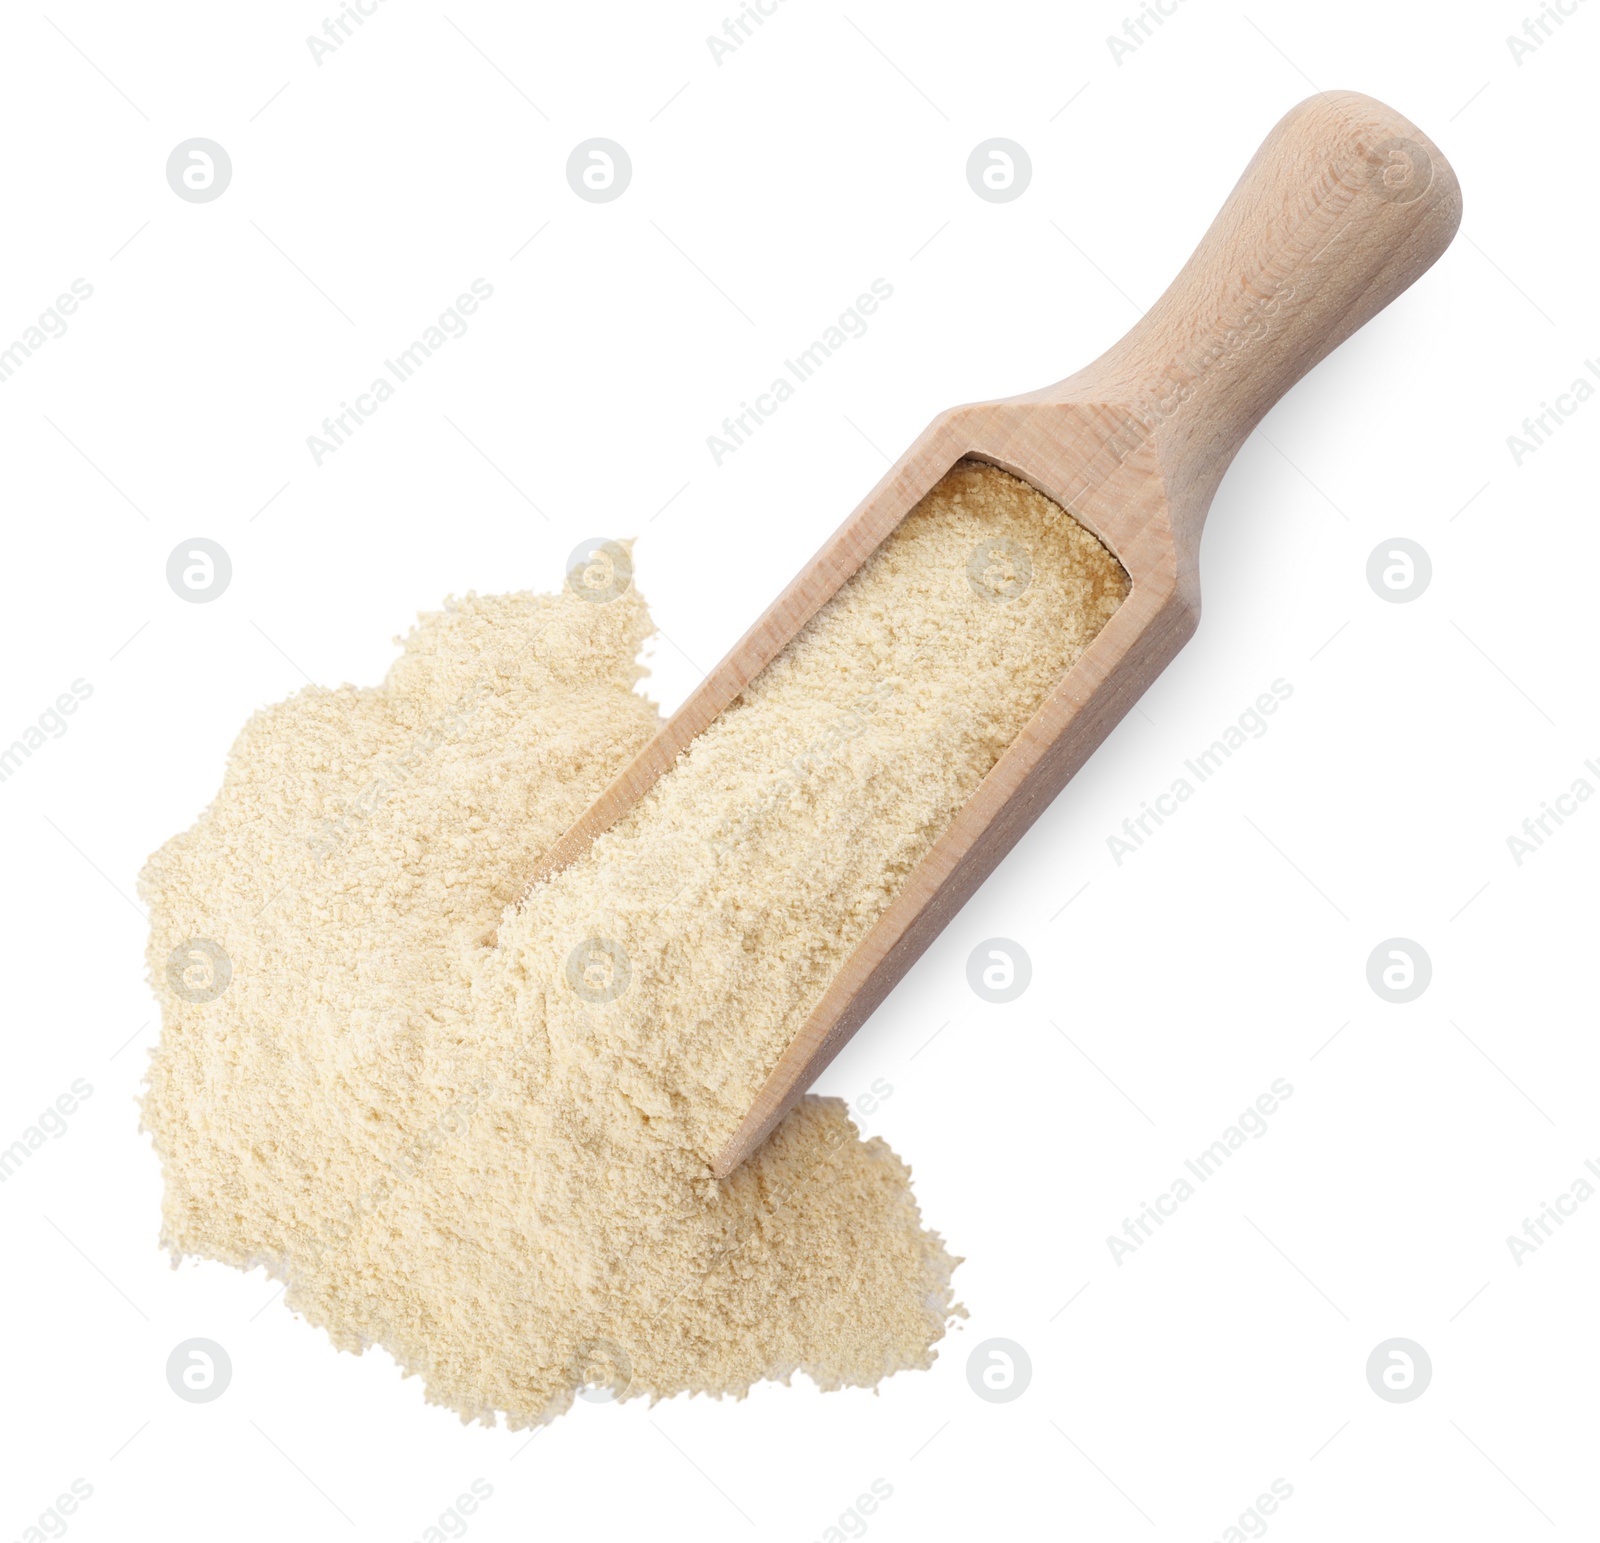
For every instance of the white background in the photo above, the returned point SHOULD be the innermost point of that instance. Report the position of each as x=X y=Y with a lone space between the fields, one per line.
x=767 y=192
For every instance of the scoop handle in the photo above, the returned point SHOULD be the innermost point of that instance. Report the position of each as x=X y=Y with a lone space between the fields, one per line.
x=1343 y=207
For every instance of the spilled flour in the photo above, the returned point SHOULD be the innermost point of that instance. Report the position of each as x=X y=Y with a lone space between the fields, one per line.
x=490 y=1158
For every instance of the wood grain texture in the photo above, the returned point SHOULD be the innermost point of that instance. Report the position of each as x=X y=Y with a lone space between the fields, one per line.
x=1345 y=204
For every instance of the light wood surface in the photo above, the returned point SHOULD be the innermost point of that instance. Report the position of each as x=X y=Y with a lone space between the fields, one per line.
x=1345 y=204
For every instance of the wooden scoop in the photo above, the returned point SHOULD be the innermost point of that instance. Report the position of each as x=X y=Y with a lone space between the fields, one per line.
x=1344 y=205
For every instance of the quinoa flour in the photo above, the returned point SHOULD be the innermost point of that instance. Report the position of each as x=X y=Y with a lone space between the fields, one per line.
x=477 y=1134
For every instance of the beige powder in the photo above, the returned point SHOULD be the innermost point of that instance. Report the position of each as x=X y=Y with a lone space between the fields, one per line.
x=739 y=885
x=492 y=1161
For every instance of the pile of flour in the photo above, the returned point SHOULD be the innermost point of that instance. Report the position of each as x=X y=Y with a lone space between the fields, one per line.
x=476 y=1134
